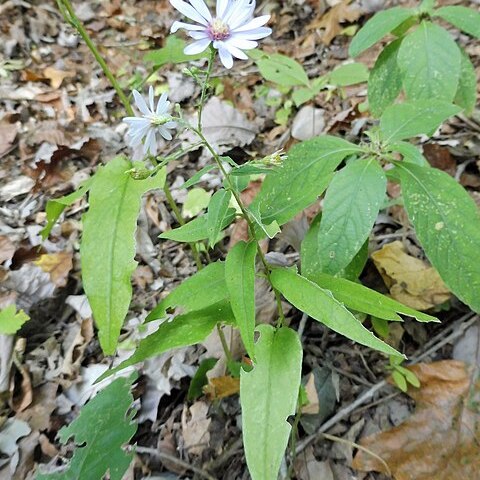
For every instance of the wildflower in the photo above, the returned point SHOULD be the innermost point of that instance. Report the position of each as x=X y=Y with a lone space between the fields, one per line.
x=151 y=121
x=231 y=31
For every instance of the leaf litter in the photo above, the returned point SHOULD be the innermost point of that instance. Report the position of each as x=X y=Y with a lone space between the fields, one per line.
x=59 y=121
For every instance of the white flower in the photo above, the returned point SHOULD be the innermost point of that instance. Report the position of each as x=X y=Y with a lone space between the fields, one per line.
x=231 y=31
x=151 y=121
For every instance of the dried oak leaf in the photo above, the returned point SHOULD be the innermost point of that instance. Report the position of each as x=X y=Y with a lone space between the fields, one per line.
x=222 y=387
x=332 y=20
x=410 y=280
x=440 y=441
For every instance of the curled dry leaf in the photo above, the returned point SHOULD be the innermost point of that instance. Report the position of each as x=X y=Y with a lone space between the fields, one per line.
x=410 y=280
x=195 y=427
x=57 y=265
x=222 y=387
x=440 y=441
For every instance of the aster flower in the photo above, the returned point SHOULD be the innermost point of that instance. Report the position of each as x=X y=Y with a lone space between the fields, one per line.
x=232 y=29
x=150 y=122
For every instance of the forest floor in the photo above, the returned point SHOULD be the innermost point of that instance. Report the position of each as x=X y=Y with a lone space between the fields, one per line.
x=60 y=119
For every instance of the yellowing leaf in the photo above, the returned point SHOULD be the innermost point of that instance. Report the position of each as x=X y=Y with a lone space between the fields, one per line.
x=56 y=77
x=222 y=387
x=410 y=280
x=57 y=265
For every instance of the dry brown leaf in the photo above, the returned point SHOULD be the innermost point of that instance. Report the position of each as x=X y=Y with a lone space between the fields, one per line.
x=410 y=280
x=222 y=387
x=7 y=249
x=195 y=427
x=8 y=134
x=440 y=441
x=56 y=77
x=332 y=20
x=57 y=265
x=313 y=406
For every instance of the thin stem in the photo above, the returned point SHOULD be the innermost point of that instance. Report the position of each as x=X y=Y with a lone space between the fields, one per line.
x=293 y=440
x=69 y=14
x=203 y=96
x=224 y=343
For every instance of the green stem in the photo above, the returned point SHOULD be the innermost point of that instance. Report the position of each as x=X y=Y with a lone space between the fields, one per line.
x=69 y=14
x=203 y=96
x=223 y=340
x=293 y=440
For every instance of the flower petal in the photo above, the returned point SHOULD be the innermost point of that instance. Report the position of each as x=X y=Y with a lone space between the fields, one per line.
x=222 y=7
x=140 y=103
x=236 y=52
x=254 y=23
x=197 y=47
x=225 y=57
x=170 y=125
x=241 y=43
x=255 y=34
x=165 y=133
x=240 y=14
x=202 y=9
x=188 y=11
x=150 y=144
x=151 y=98
x=162 y=105
x=198 y=35
x=186 y=26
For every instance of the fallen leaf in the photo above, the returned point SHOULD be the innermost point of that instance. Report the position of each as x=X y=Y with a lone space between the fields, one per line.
x=8 y=134
x=440 y=441
x=57 y=265
x=307 y=467
x=410 y=280
x=222 y=387
x=195 y=427
x=313 y=406
x=7 y=249
x=56 y=77
x=332 y=20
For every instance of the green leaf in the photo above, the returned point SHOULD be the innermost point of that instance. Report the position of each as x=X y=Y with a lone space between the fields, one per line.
x=182 y=331
x=466 y=95
x=349 y=74
x=197 y=229
x=409 y=119
x=56 y=206
x=377 y=27
x=240 y=279
x=385 y=81
x=303 y=95
x=463 y=18
x=410 y=377
x=268 y=396
x=447 y=223
x=351 y=206
x=399 y=380
x=362 y=299
x=199 y=380
x=198 y=176
x=104 y=426
x=11 y=321
x=217 y=211
x=108 y=245
x=409 y=152
x=196 y=201
x=429 y=60
x=201 y=290
x=304 y=176
x=282 y=70
x=172 y=52
x=322 y=306
x=427 y=6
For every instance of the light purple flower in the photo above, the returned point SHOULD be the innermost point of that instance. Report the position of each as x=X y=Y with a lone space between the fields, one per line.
x=232 y=29
x=150 y=121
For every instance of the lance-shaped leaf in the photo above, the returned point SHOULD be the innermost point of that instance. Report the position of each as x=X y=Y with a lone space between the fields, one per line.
x=351 y=205
x=105 y=425
x=466 y=95
x=240 y=279
x=199 y=291
x=429 y=60
x=447 y=223
x=282 y=70
x=182 y=331
x=108 y=245
x=217 y=211
x=463 y=18
x=302 y=178
x=408 y=119
x=320 y=304
x=268 y=396
x=56 y=206
x=410 y=153
x=197 y=229
x=385 y=81
x=377 y=27
x=362 y=299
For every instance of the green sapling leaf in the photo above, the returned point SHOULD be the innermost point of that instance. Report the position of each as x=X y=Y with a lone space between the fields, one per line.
x=377 y=27
x=240 y=280
x=463 y=18
x=108 y=245
x=268 y=396
x=217 y=211
x=11 y=321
